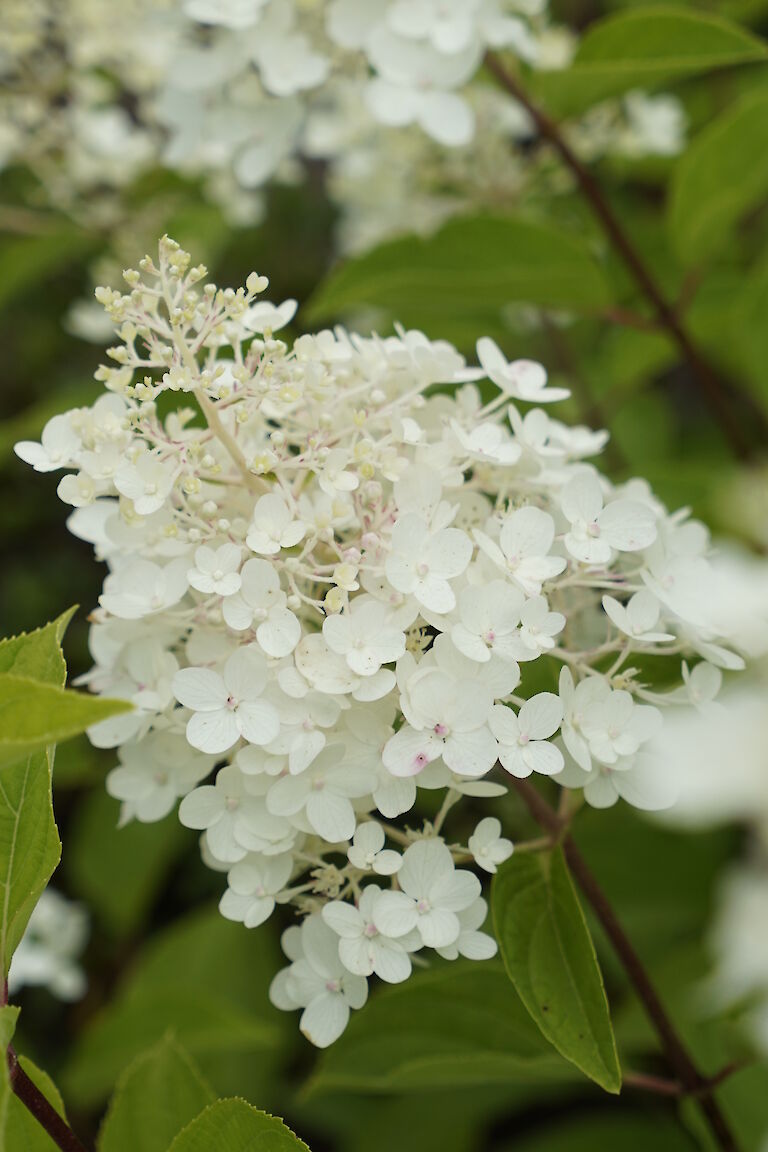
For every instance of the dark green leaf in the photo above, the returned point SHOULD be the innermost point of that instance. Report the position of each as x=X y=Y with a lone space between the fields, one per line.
x=26 y=261
x=8 y=1017
x=604 y=1132
x=721 y=176
x=645 y=47
x=22 y=1129
x=467 y=274
x=455 y=1026
x=158 y=1095
x=550 y=958
x=234 y=1126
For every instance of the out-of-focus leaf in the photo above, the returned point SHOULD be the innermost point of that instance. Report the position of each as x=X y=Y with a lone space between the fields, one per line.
x=30 y=847
x=22 y=1130
x=749 y=330
x=456 y=1026
x=38 y=654
x=204 y=979
x=467 y=273
x=234 y=1126
x=26 y=261
x=632 y=1131
x=643 y=48
x=103 y=859
x=158 y=1095
x=719 y=178
x=550 y=958
x=8 y=1017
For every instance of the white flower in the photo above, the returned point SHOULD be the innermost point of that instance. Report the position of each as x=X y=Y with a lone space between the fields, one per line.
x=644 y=780
x=323 y=792
x=367 y=850
x=487 y=442
x=59 y=448
x=488 y=847
x=702 y=684
x=237 y=14
x=261 y=602
x=422 y=563
x=318 y=982
x=216 y=570
x=446 y=717
x=363 y=948
x=153 y=774
x=273 y=526
x=235 y=818
x=470 y=943
x=147 y=482
x=638 y=618
x=524 y=543
x=141 y=588
x=365 y=636
x=520 y=379
x=228 y=706
x=524 y=739
x=432 y=893
x=538 y=627
x=253 y=884
x=601 y=722
x=488 y=621
x=626 y=525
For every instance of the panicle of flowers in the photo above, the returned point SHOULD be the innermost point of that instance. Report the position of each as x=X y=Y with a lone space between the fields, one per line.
x=340 y=573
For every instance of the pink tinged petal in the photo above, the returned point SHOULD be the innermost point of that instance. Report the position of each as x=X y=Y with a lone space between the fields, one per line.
x=438 y=927
x=202 y=807
x=395 y=914
x=541 y=716
x=455 y=890
x=471 y=753
x=213 y=732
x=258 y=721
x=628 y=525
x=512 y=760
x=324 y=1020
x=543 y=758
x=408 y=751
x=200 y=689
x=331 y=816
x=469 y=644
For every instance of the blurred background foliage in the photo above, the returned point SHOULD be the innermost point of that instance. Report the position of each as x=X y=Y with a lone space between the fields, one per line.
x=546 y=286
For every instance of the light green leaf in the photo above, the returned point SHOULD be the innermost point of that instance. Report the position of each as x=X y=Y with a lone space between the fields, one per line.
x=102 y=859
x=30 y=847
x=22 y=1130
x=643 y=48
x=38 y=654
x=160 y=1093
x=550 y=958
x=722 y=175
x=33 y=713
x=205 y=980
x=235 y=1126
x=468 y=272
x=8 y=1017
x=456 y=1026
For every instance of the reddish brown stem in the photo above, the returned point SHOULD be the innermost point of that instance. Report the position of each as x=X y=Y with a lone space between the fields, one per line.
x=681 y=1063
x=716 y=394
x=45 y=1114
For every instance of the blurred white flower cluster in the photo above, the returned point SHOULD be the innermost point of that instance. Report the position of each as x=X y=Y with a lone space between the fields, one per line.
x=386 y=96
x=343 y=577
x=50 y=948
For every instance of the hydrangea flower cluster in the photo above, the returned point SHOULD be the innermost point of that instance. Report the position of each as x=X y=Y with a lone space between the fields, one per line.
x=339 y=575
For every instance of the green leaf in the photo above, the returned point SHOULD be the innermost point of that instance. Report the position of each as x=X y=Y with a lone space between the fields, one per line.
x=38 y=654
x=103 y=859
x=722 y=175
x=8 y=1017
x=630 y=1131
x=641 y=48
x=30 y=847
x=749 y=331
x=235 y=1126
x=33 y=713
x=456 y=1026
x=27 y=261
x=550 y=958
x=205 y=980
x=467 y=274
x=22 y=1130
x=160 y=1093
